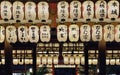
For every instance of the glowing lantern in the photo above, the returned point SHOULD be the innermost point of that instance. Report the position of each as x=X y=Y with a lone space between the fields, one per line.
x=62 y=33
x=96 y=32
x=6 y=12
x=85 y=33
x=74 y=33
x=2 y=34
x=45 y=33
x=75 y=10
x=30 y=11
x=11 y=36
x=43 y=10
x=33 y=34
x=62 y=10
x=23 y=34
x=18 y=12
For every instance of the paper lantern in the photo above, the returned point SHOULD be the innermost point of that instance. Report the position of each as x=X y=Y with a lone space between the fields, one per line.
x=108 y=33
x=43 y=10
x=62 y=10
x=62 y=33
x=33 y=34
x=49 y=60
x=101 y=9
x=74 y=33
x=71 y=60
x=23 y=33
x=45 y=34
x=82 y=60
x=117 y=61
x=38 y=60
x=30 y=11
x=55 y=59
x=112 y=62
x=96 y=32
x=27 y=61
x=117 y=33
x=113 y=9
x=2 y=34
x=95 y=61
x=89 y=61
x=6 y=12
x=77 y=60
x=75 y=10
x=88 y=9
x=107 y=61
x=44 y=60
x=85 y=33
x=3 y=61
x=11 y=36
x=66 y=60
x=31 y=61
x=15 y=61
x=18 y=10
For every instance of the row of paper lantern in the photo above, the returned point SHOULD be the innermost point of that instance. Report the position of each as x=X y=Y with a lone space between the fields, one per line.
x=22 y=61
x=84 y=32
x=102 y=9
x=87 y=33
x=30 y=12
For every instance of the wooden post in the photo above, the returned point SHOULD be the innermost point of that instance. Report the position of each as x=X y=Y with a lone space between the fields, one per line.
x=102 y=58
x=8 y=58
x=86 y=58
x=34 y=59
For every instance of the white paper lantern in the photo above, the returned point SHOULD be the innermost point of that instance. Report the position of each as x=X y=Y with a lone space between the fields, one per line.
x=75 y=10
x=101 y=9
x=6 y=12
x=39 y=60
x=112 y=62
x=44 y=60
x=117 y=33
x=3 y=61
x=33 y=34
x=11 y=36
x=96 y=32
x=117 y=61
x=62 y=10
x=82 y=60
x=85 y=33
x=23 y=33
x=43 y=10
x=88 y=10
x=15 y=61
x=45 y=34
x=107 y=61
x=18 y=10
x=71 y=60
x=2 y=34
x=89 y=61
x=62 y=33
x=31 y=61
x=113 y=9
x=74 y=33
x=27 y=61
x=55 y=59
x=95 y=61
x=66 y=60
x=108 y=33
x=49 y=60
x=30 y=10
x=77 y=60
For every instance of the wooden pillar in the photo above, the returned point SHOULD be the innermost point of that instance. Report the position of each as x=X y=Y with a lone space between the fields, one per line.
x=34 y=58
x=102 y=57
x=8 y=58
x=86 y=58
